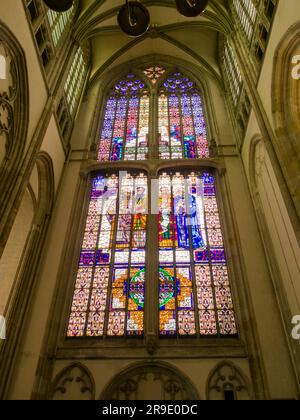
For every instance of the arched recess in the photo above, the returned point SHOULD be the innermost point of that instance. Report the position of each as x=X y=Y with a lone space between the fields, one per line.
x=14 y=118
x=150 y=381
x=227 y=381
x=75 y=382
x=15 y=247
x=279 y=239
x=26 y=280
x=286 y=108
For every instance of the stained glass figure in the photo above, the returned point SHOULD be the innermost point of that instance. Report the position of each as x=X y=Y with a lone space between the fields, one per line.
x=194 y=290
x=110 y=284
x=154 y=73
x=125 y=128
x=182 y=129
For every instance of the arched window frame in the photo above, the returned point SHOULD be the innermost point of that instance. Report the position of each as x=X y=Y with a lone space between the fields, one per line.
x=152 y=167
x=109 y=91
x=211 y=132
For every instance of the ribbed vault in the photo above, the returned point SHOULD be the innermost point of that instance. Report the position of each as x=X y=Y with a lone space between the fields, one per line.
x=191 y=39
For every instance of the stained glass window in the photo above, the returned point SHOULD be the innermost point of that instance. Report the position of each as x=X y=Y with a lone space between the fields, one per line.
x=110 y=284
x=182 y=129
x=194 y=290
x=125 y=127
x=195 y=295
x=154 y=73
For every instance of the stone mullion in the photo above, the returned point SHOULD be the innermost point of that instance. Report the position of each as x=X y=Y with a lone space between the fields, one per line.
x=153 y=128
x=151 y=292
x=151 y=301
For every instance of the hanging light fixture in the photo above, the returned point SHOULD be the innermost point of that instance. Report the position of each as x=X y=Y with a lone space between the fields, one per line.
x=191 y=8
x=134 y=18
x=59 y=5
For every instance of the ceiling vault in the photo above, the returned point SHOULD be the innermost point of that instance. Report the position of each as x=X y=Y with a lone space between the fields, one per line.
x=194 y=39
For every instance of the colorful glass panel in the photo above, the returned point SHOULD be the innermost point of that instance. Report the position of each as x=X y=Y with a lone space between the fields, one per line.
x=110 y=284
x=182 y=130
x=194 y=290
x=154 y=73
x=125 y=128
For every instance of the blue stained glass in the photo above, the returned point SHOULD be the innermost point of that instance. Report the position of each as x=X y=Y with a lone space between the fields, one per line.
x=117 y=149
x=198 y=241
x=189 y=147
x=202 y=286
x=181 y=222
x=209 y=190
x=201 y=256
x=218 y=255
x=86 y=259
x=102 y=258
x=208 y=179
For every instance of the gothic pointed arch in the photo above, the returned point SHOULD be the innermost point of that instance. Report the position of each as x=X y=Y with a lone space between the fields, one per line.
x=228 y=382
x=14 y=114
x=181 y=106
x=170 y=66
x=279 y=240
x=150 y=380
x=75 y=382
x=286 y=109
x=14 y=105
x=26 y=281
x=148 y=122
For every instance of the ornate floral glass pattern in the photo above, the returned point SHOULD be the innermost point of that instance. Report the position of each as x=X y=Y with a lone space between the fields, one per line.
x=195 y=295
x=110 y=284
x=125 y=128
x=154 y=73
x=182 y=130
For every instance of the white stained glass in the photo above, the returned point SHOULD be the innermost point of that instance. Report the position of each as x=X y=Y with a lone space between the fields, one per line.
x=166 y=256
x=183 y=256
x=121 y=257
x=138 y=257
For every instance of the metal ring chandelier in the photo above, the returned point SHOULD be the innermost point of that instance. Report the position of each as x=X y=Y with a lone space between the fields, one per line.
x=133 y=17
